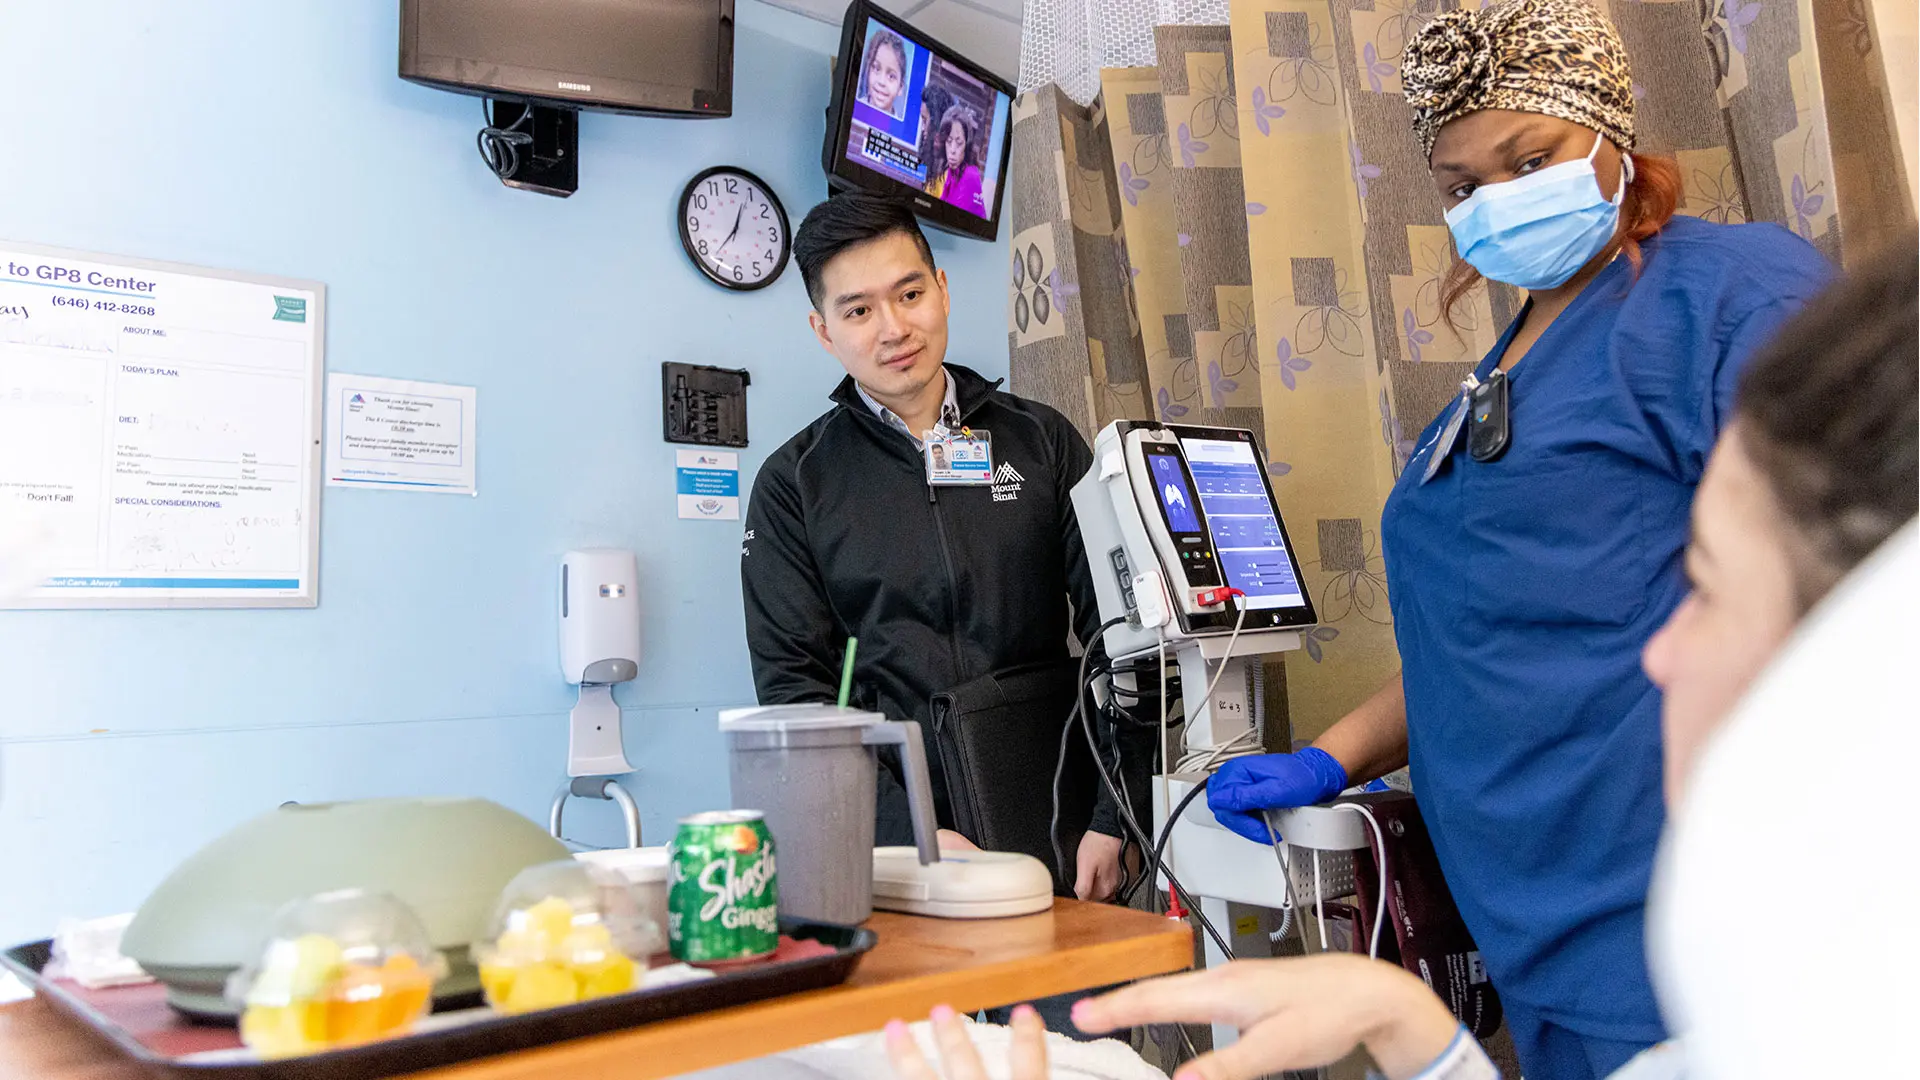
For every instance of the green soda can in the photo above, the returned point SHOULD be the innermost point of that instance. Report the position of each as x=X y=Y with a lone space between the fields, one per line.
x=722 y=893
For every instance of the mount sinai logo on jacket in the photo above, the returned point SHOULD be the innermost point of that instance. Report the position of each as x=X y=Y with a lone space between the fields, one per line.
x=1006 y=482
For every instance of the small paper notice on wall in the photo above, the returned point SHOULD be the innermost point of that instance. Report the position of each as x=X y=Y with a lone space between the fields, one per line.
x=708 y=482
x=400 y=435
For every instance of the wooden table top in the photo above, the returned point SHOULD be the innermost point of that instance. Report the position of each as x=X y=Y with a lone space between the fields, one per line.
x=919 y=963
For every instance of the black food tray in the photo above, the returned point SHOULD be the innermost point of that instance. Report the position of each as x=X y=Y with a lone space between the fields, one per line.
x=495 y=1034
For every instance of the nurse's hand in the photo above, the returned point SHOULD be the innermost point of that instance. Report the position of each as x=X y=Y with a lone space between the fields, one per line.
x=1246 y=786
x=1097 y=867
x=1300 y=1013
x=1026 y=1056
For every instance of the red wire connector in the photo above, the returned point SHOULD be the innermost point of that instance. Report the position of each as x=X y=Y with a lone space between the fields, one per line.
x=1216 y=597
x=1174 y=910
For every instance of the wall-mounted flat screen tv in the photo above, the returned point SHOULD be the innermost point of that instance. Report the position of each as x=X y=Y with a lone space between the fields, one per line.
x=912 y=118
x=649 y=57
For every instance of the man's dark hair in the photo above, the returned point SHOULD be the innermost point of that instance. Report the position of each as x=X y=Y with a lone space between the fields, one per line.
x=847 y=220
x=1828 y=411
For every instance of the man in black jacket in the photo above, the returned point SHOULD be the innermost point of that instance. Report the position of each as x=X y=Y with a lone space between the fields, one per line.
x=849 y=531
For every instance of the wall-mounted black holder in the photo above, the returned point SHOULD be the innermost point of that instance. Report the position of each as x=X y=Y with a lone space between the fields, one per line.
x=706 y=406
x=533 y=147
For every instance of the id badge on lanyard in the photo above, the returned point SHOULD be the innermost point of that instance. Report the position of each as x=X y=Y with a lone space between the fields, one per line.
x=958 y=459
x=1443 y=443
x=1483 y=408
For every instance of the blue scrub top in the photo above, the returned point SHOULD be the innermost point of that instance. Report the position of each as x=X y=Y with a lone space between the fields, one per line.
x=1524 y=588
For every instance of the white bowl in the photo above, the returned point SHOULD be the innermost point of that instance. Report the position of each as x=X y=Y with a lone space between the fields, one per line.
x=645 y=869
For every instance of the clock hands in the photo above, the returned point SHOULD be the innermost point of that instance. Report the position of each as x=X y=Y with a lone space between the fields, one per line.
x=741 y=258
x=735 y=232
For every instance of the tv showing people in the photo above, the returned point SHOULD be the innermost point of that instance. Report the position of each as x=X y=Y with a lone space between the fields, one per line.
x=925 y=122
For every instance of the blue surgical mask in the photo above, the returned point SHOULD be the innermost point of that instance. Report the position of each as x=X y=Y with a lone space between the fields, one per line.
x=1536 y=231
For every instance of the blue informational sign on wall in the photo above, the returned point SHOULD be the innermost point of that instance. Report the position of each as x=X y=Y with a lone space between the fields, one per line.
x=708 y=484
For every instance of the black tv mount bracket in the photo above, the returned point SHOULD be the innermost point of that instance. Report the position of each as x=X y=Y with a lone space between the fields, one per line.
x=532 y=147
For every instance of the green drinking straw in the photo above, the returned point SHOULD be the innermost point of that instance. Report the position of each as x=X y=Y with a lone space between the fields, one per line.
x=846 y=672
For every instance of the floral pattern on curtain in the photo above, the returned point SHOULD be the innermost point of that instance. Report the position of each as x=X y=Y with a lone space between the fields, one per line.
x=1072 y=323
x=1288 y=245
x=1143 y=174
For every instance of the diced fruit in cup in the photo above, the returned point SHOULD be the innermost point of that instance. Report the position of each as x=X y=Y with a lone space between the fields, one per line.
x=546 y=960
x=542 y=985
x=549 y=921
x=614 y=975
x=318 y=1002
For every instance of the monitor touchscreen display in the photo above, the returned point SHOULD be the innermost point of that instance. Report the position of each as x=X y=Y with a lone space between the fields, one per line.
x=1245 y=528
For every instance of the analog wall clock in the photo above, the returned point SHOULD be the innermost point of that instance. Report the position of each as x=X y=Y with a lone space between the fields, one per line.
x=734 y=228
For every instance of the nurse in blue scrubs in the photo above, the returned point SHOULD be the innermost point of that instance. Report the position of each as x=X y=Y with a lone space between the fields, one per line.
x=1533 y=542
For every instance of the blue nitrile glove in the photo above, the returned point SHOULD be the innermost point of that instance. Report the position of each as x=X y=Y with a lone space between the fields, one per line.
x=1245 y=786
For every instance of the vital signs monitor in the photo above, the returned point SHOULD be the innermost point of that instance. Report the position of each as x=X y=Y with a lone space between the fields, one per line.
x=1188 y=515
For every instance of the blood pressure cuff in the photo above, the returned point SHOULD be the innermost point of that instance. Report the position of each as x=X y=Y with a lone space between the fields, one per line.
x=1429 y=938
x=997 y=740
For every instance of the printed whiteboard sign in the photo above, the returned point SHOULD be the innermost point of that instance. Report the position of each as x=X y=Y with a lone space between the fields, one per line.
x=160 y=431
x=399 y=435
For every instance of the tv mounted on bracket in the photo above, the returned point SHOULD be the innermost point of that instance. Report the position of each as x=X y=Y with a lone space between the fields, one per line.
x=912 y=118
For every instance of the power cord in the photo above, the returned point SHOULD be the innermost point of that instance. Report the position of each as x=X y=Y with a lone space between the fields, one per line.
x=1166 y=831
x=1380 y=904
x=500 y=146
x=1286 y=877
x=1190 y=762
x=1080 y=685
x=1127 y=819
x=1246 y=742
x=1208 y=758
x=1139 y=834
x=1319 y=901
x=1117 y=710
x=1160 y=748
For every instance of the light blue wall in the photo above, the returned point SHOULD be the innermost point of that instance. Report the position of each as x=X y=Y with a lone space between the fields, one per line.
x=275 y=138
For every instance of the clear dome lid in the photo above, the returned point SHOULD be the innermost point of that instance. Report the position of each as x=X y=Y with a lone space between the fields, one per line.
x=564 y=932
x=337 y=969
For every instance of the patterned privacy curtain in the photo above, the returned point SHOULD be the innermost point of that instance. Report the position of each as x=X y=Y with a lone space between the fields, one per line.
x=1873 y=181
x=1893 y=48
x=1329 y=318
x=1280 y=244
x=1143 y=175
x=1073 y=327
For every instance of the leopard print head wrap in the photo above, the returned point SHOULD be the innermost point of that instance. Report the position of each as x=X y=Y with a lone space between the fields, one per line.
x=1559 y=58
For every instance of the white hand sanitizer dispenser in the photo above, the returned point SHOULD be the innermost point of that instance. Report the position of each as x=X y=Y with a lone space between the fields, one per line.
x=599 y=646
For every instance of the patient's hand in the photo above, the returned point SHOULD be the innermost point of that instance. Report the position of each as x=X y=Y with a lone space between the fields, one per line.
x=1026 y=1057
x=953 y=841
x=1298 y=1013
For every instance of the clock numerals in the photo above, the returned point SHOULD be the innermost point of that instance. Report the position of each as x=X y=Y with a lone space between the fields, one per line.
x=734 y=229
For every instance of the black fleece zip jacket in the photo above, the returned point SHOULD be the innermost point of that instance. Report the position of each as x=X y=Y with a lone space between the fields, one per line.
x=844 y=537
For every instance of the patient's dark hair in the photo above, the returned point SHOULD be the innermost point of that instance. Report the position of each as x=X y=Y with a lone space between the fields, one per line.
x=1827 y=411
